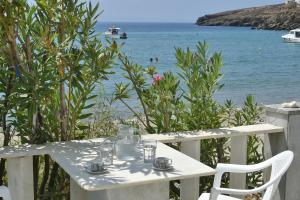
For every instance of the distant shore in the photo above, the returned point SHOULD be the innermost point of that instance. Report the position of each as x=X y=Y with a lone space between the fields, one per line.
x=272 y=17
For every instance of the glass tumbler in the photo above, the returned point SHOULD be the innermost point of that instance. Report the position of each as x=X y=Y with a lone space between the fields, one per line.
x=107 y=153
x=149 y=148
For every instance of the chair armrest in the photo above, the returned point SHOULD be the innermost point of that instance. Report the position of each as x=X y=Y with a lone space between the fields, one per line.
x=233 y=168
x=239 y=191
x=282 y=161
x=218 y=190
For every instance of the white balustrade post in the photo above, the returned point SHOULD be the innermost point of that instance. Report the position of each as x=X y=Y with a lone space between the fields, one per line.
x=289 y=119
x=238 y=156
x=20 y=178
x=189 y=188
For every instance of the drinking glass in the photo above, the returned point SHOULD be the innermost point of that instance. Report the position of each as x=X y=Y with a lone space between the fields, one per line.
x=94 y=147
x=149 y=147
x=107 y=153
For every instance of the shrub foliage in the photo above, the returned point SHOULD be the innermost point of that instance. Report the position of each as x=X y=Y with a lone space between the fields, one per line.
x=185 y=101
x=51 y=60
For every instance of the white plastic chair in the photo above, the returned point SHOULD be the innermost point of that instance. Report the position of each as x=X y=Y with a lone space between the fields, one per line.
x=4 y=193
x=279 y=163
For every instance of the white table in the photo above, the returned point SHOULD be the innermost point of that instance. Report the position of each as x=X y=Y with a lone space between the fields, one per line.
x=132 y=180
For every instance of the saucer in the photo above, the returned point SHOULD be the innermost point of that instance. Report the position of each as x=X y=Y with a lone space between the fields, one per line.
x=105 y=170
x=163 y=169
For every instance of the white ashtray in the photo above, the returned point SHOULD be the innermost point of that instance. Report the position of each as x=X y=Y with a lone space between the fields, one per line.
x=96 y=168
x=162 y=164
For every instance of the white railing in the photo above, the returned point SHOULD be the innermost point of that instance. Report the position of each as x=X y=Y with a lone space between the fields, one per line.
x=19 y=158
x=282 y=126
x=190 y=145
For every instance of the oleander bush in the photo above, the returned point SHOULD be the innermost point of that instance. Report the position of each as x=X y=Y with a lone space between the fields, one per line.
x=51 y=61
x=185 y=101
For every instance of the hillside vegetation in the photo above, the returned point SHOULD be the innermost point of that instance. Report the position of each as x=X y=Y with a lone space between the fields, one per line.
x=272 y=17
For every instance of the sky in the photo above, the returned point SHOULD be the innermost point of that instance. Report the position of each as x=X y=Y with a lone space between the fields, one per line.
x=169 y=10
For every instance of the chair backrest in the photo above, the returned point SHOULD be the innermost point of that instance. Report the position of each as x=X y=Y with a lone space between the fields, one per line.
x=280 y=164
x=4 y=193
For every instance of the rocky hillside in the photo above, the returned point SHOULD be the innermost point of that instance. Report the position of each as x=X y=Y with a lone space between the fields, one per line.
x=273 y=17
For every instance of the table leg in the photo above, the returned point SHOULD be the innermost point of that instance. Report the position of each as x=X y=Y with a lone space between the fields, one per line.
x=189 y=188
x=76 y=192
x=20 y=178
x=151 y=191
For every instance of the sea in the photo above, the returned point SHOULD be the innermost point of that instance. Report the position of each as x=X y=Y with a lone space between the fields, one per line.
x=256 y=62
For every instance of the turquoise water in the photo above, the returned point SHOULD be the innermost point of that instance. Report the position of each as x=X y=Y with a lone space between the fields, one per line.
x=256 y=62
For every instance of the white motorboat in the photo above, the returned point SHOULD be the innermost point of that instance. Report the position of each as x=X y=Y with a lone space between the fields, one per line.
x=292 y=36
x=114 y=33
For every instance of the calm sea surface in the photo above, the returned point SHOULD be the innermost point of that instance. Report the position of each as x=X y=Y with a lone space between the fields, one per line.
x=256 y=62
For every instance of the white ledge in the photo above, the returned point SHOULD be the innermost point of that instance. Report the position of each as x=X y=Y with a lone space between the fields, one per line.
x=215 y=133
x=31 y=150
x=277 y=108
x=35 y=150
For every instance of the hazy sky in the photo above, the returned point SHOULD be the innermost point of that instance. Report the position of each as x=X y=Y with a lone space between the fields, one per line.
x=169 y=10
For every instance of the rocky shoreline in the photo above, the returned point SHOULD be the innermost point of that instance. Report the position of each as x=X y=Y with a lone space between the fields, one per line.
x=273 y=17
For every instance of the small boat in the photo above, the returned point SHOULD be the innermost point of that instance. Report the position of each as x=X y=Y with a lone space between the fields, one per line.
x=292 y=36
x=123 y=36
x=113 y=33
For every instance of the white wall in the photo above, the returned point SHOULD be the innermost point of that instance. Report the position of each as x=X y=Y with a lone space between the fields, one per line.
x=297 y=1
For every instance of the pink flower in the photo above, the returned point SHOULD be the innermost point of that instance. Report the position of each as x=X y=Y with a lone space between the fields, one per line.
x=156 y=78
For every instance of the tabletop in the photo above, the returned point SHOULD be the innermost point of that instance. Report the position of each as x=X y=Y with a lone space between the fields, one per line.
x=74 y=156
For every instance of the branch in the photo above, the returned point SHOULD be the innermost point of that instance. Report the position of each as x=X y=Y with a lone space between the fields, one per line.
x=141 y=120
x=137 y=91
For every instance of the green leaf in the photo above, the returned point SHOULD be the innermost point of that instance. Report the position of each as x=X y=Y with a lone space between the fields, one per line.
x=84 y=116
